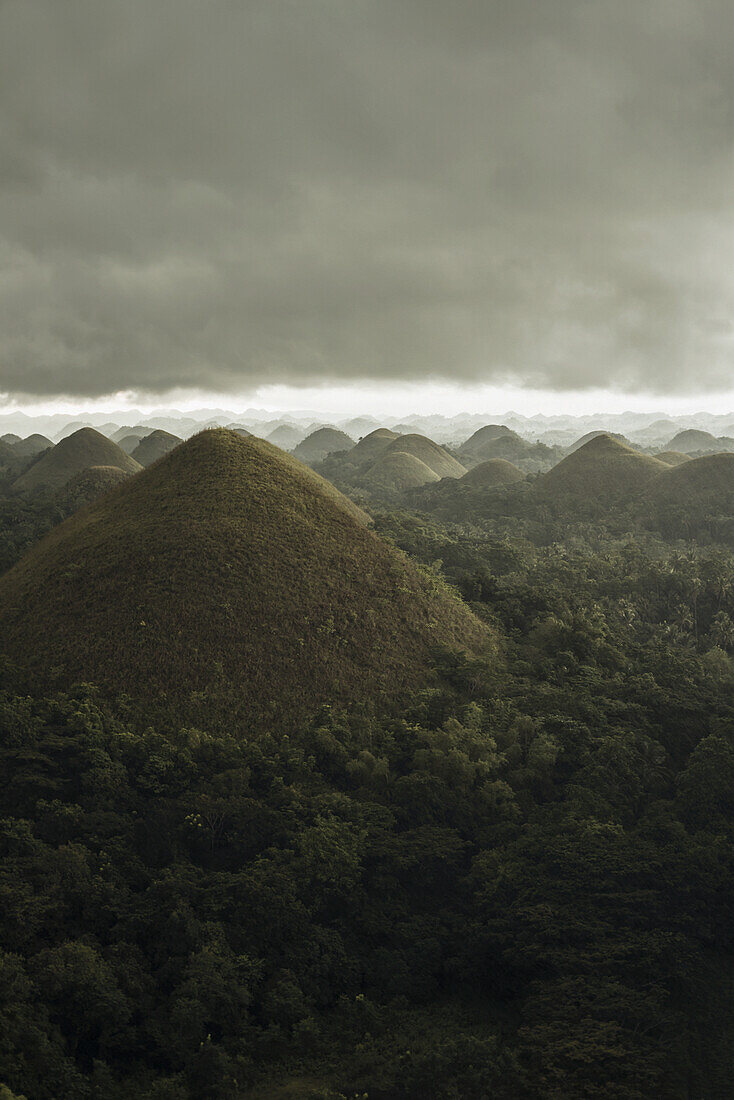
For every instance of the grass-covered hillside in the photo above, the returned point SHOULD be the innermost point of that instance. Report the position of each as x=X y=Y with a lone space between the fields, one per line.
x=435 y=457
x=495 y=471
x=88 y=486
x=77 y=452
x=672 y=458
x=228 y=578
x=370 y=447
x=32 y=445
x=603 y=471
x=397 y=471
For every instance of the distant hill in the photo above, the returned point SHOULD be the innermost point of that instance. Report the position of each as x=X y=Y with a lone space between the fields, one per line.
x=475 y=444
x=496 y=471
x=360 y=426
x=286 y=436
x=32 y=445
x=73 y=454
x=322 y=442
x=694 y=440
x=594 y=435
x=10 y=437
x=435 y=457
x=508 y=445
x=227 y=581
x=137 y=432
x=157 y=444
x=471 y=498
x=673 y=458
x=371 y=446
x=88 y=486
x=602 y=472
x=397 y=471
x=129 y=442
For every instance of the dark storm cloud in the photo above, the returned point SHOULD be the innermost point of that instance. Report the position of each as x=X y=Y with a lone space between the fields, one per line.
x=218 y=193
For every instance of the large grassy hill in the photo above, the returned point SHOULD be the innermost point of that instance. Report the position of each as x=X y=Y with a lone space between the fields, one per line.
x=75 y=453
x=688 y=482
x=227 y=580
x=602 y=472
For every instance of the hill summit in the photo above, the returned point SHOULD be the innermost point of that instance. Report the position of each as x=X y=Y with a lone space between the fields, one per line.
x=75 y=453
x=602 y=471
x=227 y=581
x=435 y=457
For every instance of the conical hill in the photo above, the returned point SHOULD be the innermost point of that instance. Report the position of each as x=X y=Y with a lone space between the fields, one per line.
x=603 y=471
x=227 y=582
x=75 y=453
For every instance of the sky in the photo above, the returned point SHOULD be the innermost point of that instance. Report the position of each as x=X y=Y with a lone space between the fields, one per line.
x=523 y=202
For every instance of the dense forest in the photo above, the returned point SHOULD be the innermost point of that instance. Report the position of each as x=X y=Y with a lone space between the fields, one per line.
x=515 y=882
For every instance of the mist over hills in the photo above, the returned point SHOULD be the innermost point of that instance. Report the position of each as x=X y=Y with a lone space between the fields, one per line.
x=649 y=429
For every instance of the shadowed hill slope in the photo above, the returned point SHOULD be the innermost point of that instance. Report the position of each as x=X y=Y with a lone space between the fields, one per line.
x=155 y=446
x=689 y=482
x=436 y=458
x=603 y=471
x=7 y=454
x=226 y=581
x=128 y=443
x=397 y=471
x=32 y=445
x=138 y=432
x=88 y=486
x=76 y=452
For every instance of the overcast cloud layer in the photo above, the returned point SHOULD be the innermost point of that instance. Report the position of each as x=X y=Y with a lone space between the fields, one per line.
x=221 y=193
